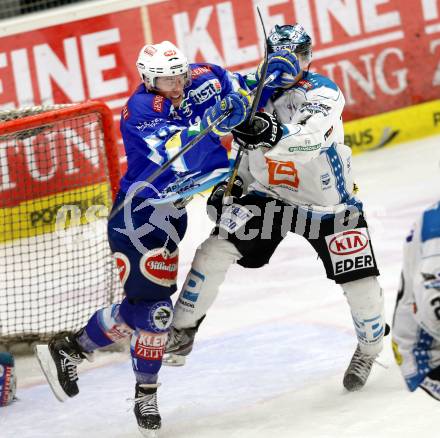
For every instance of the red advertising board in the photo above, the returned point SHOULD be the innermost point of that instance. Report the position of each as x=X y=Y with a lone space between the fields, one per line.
x=65 y=156
x=384 y=54
x=88 y=59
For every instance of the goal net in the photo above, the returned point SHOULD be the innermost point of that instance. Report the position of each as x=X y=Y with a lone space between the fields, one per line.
x=58 y=172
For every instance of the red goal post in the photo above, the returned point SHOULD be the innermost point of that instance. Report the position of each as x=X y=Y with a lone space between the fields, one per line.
x=59 y=172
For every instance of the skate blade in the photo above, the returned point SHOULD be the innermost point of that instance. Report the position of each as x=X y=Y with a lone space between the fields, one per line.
x=49 y=369
x=149 y=433
x=173 y=360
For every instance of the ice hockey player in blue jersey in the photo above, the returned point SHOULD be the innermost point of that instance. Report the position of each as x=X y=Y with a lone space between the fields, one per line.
x=416 y=322
x=173 y=104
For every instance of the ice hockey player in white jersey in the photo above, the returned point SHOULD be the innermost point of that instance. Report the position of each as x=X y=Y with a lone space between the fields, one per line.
x=298 y=177
x=416 y=322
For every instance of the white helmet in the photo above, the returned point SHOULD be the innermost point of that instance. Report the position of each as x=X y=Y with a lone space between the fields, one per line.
x=163 y=59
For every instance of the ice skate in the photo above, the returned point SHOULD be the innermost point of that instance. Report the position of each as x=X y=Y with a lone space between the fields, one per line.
x=179 y=345
x=358 y=371
x=59 y=361
x=146 y=410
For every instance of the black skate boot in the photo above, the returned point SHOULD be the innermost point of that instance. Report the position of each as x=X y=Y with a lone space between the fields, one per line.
x=59 y=361
x=358 y=371
x=146 y=410
x=179 y=344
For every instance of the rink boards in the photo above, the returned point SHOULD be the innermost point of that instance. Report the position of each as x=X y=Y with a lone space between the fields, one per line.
x=394 y=127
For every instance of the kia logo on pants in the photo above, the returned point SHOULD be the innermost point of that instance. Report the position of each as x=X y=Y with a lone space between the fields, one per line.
x=348 y=242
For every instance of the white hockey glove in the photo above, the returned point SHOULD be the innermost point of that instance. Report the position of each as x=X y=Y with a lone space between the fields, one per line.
x=8 y=381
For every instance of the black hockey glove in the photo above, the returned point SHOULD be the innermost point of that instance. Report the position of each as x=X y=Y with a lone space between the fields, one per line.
x=215 y=202
x=265 y=130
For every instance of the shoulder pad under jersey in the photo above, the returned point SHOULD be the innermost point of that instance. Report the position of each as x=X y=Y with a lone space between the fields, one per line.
x=202 y=69
x=313 y=81
x=143 y=104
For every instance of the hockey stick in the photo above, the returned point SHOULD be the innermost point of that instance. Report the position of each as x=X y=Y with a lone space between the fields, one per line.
x=185 y=149
x=259 y=91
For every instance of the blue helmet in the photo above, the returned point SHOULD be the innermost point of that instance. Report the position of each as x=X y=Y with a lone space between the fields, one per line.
x=292 y=37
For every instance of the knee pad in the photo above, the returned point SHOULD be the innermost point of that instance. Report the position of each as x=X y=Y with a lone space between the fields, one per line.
x=151 y=316
x=215 y=255
x=365 y=298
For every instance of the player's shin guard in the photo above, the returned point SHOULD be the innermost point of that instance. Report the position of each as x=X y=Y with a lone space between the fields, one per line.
x=210 y=265
x=365 y=298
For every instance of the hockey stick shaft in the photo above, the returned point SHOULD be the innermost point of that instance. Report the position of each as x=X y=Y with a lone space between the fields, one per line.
x=240 y=151
x=185 y=149
x=255 y=103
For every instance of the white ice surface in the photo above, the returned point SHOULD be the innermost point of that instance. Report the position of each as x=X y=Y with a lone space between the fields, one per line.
x=270 y=357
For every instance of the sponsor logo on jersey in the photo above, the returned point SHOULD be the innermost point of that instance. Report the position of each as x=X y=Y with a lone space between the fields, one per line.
x=282 y=173
x=150 y=50
x=431 y=281
x=125 y=112
x=207 y=90
x=199 y=71
x=325 y=181
x=306 y=148
x=328 y=133
x=161 y=316
x=305 y=84
x=160 y=266
x=182 y=184
x=350 y=251
x=158 y=102
x=150 y=346
x=148 y=124
x=123 y=266
x=185 y=107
